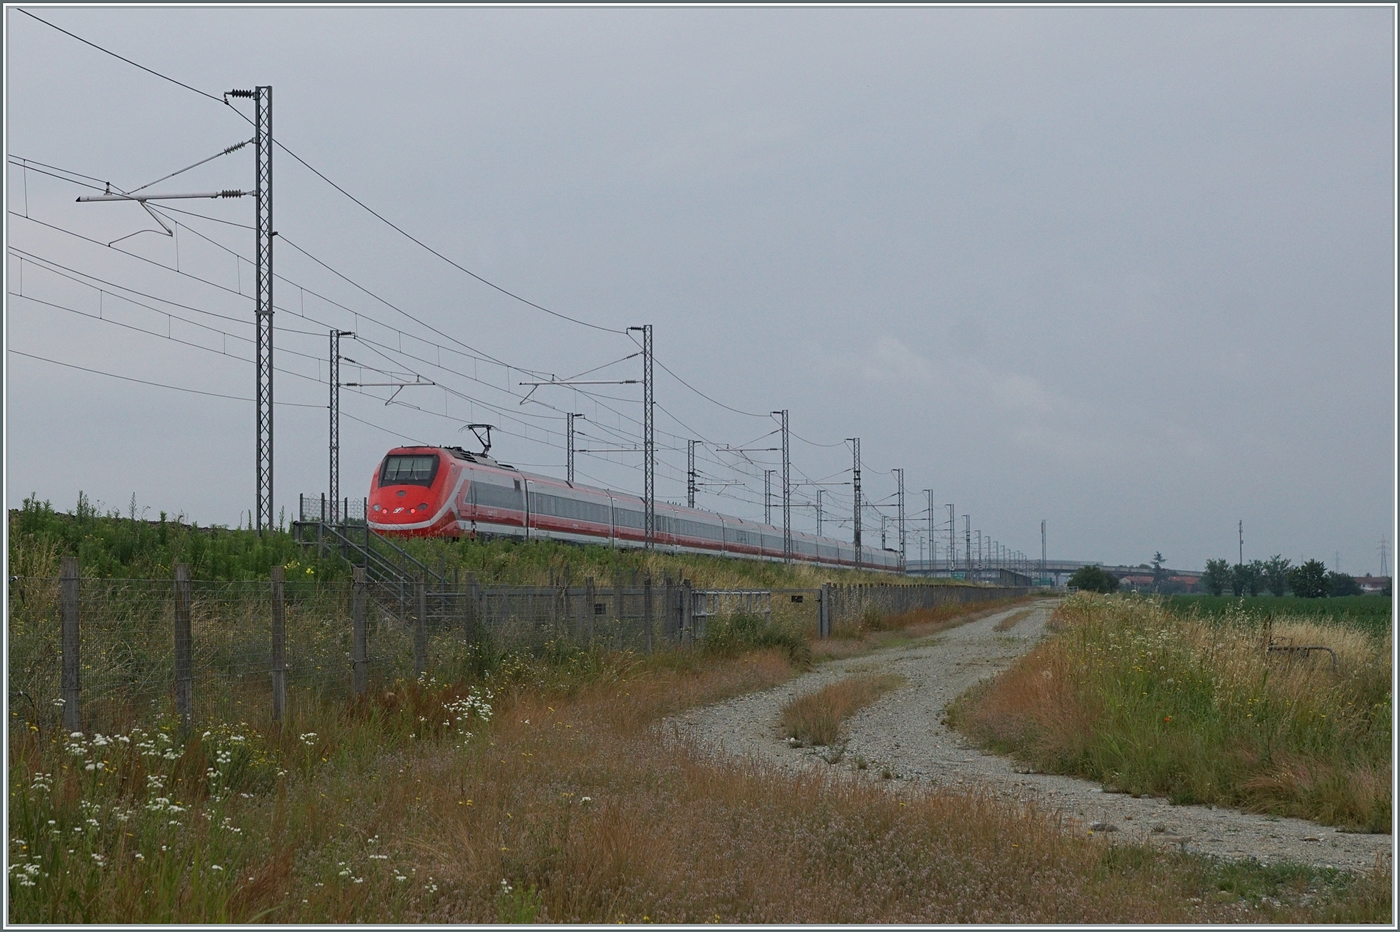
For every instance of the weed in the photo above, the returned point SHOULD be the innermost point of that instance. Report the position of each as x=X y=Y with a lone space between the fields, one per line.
x=574 y=794
x=517 y=906
x=816 y=717
x=1153 y=703
x=728 y=636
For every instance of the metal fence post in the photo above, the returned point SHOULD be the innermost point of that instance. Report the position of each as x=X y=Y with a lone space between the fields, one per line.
x=617 y=594
x=824 y=612
x=420 y=627
x=469 y=615
x=279 y=643
x=69 y=601
x=668 y=612
x=184 y=660
x=592 y=599
x=687 y=618
x=646 y=611
x=360 y=662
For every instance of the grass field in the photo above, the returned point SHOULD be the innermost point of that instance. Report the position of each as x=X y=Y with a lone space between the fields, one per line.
x=115 y=545
x=545 y=791
x=1152 y=702
x=1372 y=612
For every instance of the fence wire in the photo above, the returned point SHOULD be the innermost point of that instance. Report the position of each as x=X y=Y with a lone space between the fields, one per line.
x=126 y=658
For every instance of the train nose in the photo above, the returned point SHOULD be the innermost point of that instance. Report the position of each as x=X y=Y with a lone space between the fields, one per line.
x=393 y=509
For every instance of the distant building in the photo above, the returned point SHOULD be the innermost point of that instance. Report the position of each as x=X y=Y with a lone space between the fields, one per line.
x=1372 y=584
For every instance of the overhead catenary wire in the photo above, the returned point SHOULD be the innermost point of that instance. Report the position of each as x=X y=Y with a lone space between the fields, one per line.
x=127 y=378
x=172 y=339
x=105 y=51
x=27 y=165
x=482 y=356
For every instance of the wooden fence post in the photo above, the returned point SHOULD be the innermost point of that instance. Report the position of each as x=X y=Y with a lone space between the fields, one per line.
x=824 y=612
x=69 y=602
x=279 y=643
x=420 y=627
x=184 y=660
x=360 y=655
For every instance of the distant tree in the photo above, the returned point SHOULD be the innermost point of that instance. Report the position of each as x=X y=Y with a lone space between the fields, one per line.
x=1254 y=580
x=1216 y=576
x=1243 y=578
x=1309 y=580
x=1340 y=584
x=1159 y=573
x=1094 y=579
x=1276 y=574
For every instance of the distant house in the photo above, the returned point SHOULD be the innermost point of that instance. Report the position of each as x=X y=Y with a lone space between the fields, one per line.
x=1135 y=582
x=1372 y=584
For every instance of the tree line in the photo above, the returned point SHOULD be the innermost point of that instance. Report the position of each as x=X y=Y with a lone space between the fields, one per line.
x=1277 y=575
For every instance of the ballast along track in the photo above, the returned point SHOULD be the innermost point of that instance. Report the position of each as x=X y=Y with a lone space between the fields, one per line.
x=449 y=492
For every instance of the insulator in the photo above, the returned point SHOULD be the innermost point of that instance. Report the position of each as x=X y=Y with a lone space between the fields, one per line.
x=242 y=93
x=235 y=148
x=231 y=192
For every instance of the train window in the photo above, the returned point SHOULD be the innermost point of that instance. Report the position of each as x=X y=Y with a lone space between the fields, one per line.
x=495 y=496
x=409 y=470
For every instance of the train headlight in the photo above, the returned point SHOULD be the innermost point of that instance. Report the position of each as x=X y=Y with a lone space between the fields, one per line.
x=422 y=506
x=376 y=507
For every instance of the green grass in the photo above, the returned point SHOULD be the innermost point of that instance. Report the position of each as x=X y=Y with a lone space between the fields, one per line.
x=566 y=803
x=732 y=635
x=110 y=544
x=1372 y=612
x=1153 y=703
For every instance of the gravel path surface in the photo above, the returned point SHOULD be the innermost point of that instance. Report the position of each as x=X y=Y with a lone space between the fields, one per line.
x=904 y=734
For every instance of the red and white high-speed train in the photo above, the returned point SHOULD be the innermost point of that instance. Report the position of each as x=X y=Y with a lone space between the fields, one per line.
x=448 y=492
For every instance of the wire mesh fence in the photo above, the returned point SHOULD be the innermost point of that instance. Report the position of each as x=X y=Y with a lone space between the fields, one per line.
x=852 y=604
x=107 y=654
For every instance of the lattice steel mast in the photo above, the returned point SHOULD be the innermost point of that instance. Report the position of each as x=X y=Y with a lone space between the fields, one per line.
x=787 y=492
x=262 y=123
x=855 y=488
x=335 y=515
x=900 y=474
x=690 y=474
x=648 y=433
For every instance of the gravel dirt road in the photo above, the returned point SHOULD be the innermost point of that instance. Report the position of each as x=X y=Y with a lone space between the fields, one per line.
x=904 y=734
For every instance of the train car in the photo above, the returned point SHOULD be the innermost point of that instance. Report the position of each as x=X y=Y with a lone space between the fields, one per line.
x=449 y=492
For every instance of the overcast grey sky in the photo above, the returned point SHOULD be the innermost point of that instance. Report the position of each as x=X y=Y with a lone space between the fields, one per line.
x=1127 y=270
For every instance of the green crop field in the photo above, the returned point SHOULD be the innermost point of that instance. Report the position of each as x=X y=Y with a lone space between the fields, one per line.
x=1371 y=612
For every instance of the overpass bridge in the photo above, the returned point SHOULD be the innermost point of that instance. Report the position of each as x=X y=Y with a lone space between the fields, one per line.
x=1028 y=572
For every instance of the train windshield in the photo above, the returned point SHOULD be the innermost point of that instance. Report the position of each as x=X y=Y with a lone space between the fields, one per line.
x=409 y=470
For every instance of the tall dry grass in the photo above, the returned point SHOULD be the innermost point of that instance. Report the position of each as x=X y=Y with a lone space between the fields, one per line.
x=1200 y=711
x=570 y=801
x=587 y=811
x=816 y=717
